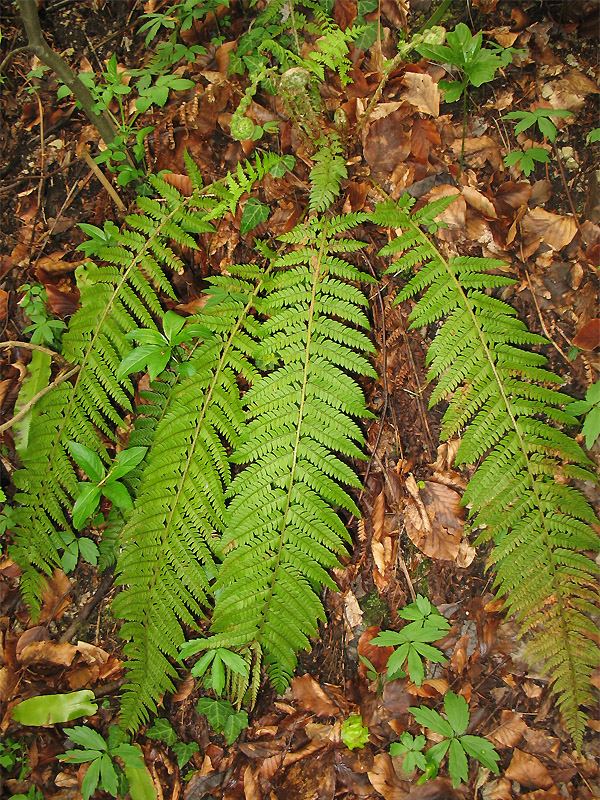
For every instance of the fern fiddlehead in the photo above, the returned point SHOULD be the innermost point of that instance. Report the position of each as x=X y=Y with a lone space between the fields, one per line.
x=282 y=532
x=519 y=496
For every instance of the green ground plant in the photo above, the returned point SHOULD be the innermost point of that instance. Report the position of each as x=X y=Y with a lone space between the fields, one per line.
x=540 y=118
x=239 y=468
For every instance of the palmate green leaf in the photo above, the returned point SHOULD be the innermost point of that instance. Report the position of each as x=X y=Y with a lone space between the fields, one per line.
x=457 y=711
x=482 y=750
x=458 y=766
x=431 y=719
x=91 y=779
x=519 y=496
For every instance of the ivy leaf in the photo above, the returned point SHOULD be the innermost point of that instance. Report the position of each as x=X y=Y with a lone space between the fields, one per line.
x=254 y=213
x=163 y=731
x=184 y=751
x=234 y=725
x=217 y=711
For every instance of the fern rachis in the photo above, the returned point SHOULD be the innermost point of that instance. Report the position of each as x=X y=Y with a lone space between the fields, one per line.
x=491 y=383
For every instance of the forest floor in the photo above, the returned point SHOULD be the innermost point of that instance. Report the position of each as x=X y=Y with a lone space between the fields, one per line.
x=546 y=226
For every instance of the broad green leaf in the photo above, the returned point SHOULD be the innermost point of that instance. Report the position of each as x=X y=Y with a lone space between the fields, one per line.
x=117 y=494
x=37 y=378
x=431 y=719
x=432 y=653
x=157 y=363
x=217 y=711
x=416 y=670
x=139 y=779
x=90 y=782
x=397 y=659
x=388 y=639
x=482 y=750
x=254 y=213
x=108 y=776
x=200 y=666
x=458 y=765
x=143 y=337
x=127 y=460
x=591 y=427
x=192 y=647
x=86 y=504
x=457 y=711
x=136 y=361
x=234 y=661
x=80 y=756
x=217 y=674
x=172 y=324
x=88 y=550
x=87 y=737
x=88 y=460
x=51 y=708
x=436 y=753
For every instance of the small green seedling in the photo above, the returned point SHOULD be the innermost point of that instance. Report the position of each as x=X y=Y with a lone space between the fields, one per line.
x=223 y=717
x=354 y=733
x=526 y=159
x=412 y=642
x=476 y=63
x=219 y=658
x=591 y=408
x=104 y=772
x=44 y=329
x=12 y=754
x=593 y=136
x=163 y=731
x=156 y=349
x=412 y=749
x=103 y=482
x=48 y=709
x=456 y=743
x=33 y=794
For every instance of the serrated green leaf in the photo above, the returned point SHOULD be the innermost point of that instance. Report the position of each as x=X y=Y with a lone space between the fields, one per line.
x=431 y=719
x=254 y=213
x=457 y=711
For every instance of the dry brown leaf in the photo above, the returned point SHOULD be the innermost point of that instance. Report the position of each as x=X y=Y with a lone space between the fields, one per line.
x=479 y=202
x=384 y=779
x=588 y=337
x=552 y=229
x=8 y=682
x=182 y=183
x=91 y=654
x=353 y=615
x=48 y=653
x=387 y=143
x=422 y=93
x=528 y=771
x=423 y=136
x=497 y=790
x=55 y=597
x=251 y=785
x=3 y=304
x=378 y=656
x=56 y=264
x=311 y=697
x=434 y=519
x=466 y=554
x=511 y=730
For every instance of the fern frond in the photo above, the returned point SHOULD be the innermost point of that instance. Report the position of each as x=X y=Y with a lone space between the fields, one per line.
x=519 y=497
x=167 y=561
x=327 y=174
x=282 y=532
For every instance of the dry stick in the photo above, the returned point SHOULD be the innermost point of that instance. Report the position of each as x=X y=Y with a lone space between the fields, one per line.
x=28 y=406
x=103 y=179
x=40 y=47
x=567 y=190
x=31 y=346
x=101 y=590
x=542 y=323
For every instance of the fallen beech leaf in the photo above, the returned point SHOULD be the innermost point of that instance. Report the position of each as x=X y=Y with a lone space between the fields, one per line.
x=478 y=150
x=55 y=597
x=434 y=519
x=378 y=656
x=3 y=304
x=61 y=654
x=182 y=183
x=37 y=634
x=466 y=554
x=56 y=264
x=552 y=229
x=8 y=683
x=423 y=136
x=387 y=143
x=384 y=779
x=510 y=732
x=92 y=654
x=353 y=615
x=479 y=202
x=251 y=785
x=528 y=771
x=311 y=697
x=588 y=337
x=422 y=93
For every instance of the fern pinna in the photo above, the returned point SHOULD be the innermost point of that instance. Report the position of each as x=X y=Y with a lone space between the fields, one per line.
x=520 y=497
x=119 y=294
x=168 y=544
x=282 y=530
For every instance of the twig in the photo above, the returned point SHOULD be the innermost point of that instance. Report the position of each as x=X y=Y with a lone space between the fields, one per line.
x=31 y=346
x=102 y=588
x=40 y=47
x=12 y=53
x=567 y=190
x=542 y=323
x=28 y=406
x=102 y=178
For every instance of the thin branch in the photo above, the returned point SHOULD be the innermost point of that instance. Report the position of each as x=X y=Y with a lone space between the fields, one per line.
x=28 y=406
x=31 y=346
x=40 y=47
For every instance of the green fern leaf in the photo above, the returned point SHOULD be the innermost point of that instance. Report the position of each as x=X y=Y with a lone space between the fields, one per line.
x=540 y=527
